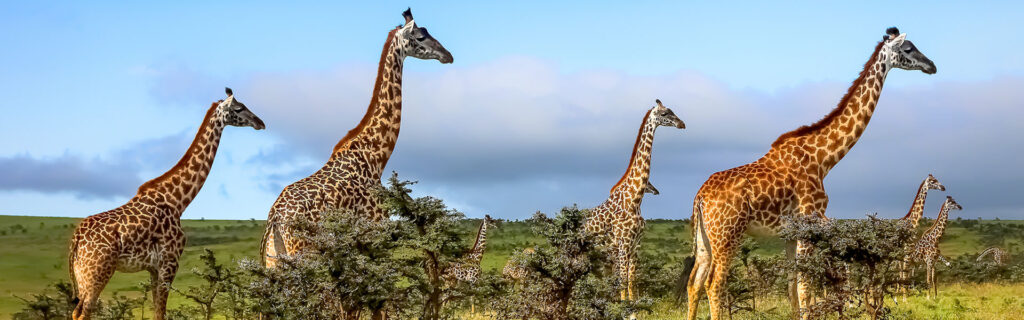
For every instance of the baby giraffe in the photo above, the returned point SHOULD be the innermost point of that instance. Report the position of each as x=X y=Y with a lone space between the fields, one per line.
x=927 y=249
x=145 y=234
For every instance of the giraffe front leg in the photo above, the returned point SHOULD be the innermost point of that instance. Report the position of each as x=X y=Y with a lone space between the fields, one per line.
x=622 y=269
x=812 y=201
x=163 y=278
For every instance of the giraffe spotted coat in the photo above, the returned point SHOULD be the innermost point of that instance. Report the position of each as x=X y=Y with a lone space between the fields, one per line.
x=927 y=248
x=145 y=233
x=348 y=180
x=788 y=179
x=617 y=222
x=468 y=268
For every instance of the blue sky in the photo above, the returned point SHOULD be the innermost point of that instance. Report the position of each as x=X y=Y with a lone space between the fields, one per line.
x=539 y=109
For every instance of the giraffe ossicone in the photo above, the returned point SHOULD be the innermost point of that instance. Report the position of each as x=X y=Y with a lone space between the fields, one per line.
x=145 y=233
x=787 y=180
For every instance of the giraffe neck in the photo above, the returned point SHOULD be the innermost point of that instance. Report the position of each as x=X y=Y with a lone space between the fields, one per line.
x=939 y=227
x=377 y=132
x=630 y=188
x=481 y=243
x=178 y=187
x=836 y=134
x=917 y=208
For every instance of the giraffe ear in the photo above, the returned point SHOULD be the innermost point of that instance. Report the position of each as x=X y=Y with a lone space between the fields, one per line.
x=228 y=91
x=407 y=15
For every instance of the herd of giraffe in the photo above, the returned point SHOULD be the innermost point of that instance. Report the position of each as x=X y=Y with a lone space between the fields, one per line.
x=145 y=234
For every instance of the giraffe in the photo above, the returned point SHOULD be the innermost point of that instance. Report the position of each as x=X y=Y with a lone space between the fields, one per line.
x=927 y=248
x=145 y=233
x=788 y=179
x=617 y=221
x=468 y=268
x=998 y=255
x=910 y=221
x=354 y=169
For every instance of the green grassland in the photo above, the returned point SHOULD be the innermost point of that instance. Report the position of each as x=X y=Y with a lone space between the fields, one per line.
x=34 y=253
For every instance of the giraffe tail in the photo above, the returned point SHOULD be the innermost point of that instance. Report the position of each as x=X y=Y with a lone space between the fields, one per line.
x=681 y=292
x=263 y=242
x=72 y=252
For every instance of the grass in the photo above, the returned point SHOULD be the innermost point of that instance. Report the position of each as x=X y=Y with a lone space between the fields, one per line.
x=34 y=254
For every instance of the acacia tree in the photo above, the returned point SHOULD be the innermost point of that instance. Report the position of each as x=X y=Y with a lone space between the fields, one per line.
x=567 y=278
x=382 y=267
x=429 y=227
x=852 y=261
x=348 y=267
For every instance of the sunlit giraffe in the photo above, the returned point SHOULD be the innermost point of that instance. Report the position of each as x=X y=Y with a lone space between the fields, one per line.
x=145 y=234
x=788 y=180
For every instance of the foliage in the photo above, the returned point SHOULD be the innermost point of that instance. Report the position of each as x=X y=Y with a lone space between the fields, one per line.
x=851 y=261
x=56 y=302
x=348 y=265
x=567 y=278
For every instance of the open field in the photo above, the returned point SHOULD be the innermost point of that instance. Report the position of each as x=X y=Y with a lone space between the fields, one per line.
x=34 y=254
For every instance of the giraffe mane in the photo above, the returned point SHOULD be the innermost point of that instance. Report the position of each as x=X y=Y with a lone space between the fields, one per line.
x=203 y=128
x=804 y=130
x=632 y=156
x=373 y=99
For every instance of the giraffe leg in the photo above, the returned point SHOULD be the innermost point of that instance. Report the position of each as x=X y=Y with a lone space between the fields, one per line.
x=91 y=276
x=631 y=274
x=164 y=276
x=622 y=268
x=928 y=279
x=802 y=291
x=720 y=272
x=794 y=297
x=698 y=277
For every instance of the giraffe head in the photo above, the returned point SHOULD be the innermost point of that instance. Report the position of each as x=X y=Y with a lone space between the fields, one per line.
x=663 y=116
x=418 y=43
x=235 y=113
x=491 y=223
x=951 y=204
x=898 y=52
x=651 y=189
x=932 y=183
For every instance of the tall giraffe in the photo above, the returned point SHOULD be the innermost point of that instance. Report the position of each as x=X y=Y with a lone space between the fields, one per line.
x=145 y=233
x=788 y=180
x=468 y=268
x=917 y=207
x=927 y=248
x=354 y=169
x=998 y=255
x=911 y=220
x=617 y=221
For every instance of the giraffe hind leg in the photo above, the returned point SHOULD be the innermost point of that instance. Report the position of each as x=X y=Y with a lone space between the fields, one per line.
x=91 y=276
